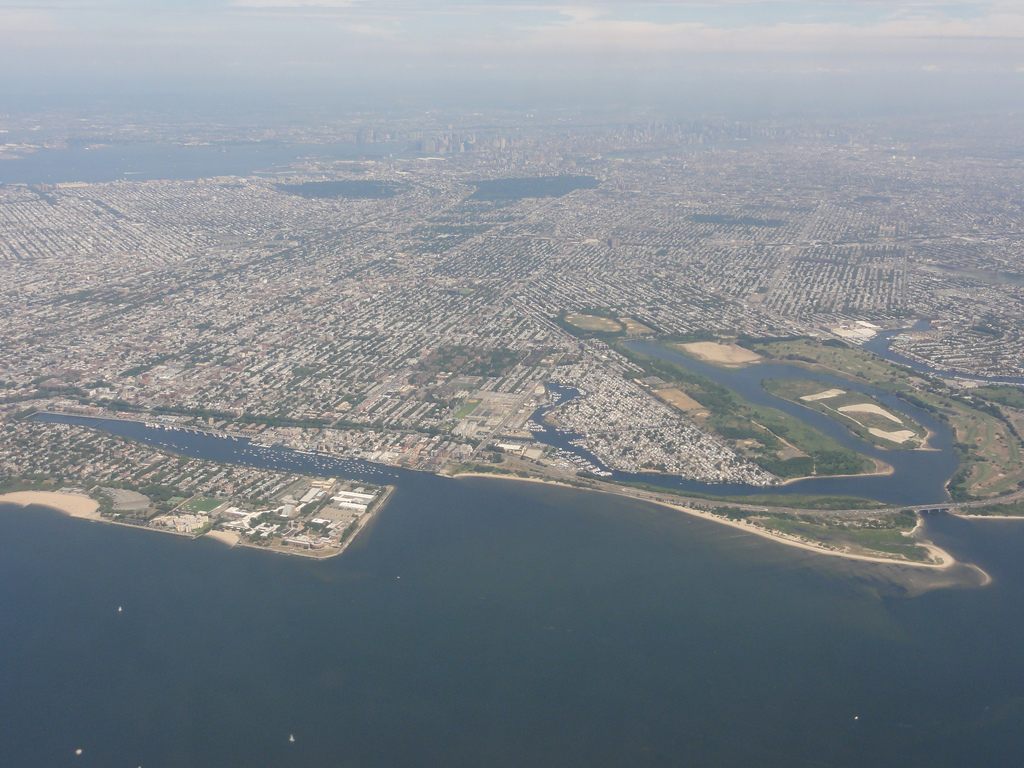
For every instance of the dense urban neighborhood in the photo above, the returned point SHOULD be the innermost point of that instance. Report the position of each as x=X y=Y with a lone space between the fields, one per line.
x=429 y=304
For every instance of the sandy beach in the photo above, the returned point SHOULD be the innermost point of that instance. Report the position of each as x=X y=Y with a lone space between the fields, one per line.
x=71 y=504
x=225 y=537
x=942 y=559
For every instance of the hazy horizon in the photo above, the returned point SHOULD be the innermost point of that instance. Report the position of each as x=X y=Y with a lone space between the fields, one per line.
x=748 y=58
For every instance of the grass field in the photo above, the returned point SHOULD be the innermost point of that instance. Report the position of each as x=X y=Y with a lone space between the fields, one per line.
x=1015 y=509
x=466 y=409
x=594 y=323
x=850 y=362
x=993 y=464
x=807 y=501
x=635 y=327
x=1002 y=394
x=202 y=504
x=823 y=455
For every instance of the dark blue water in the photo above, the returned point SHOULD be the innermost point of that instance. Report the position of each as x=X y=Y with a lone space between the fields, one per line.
x=484 y=622
x=919 y=477
x=152 y=160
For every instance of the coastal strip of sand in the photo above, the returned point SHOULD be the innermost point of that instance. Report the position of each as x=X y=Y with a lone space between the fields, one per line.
x=941 y=559
x=71 y=504
x=224 y=537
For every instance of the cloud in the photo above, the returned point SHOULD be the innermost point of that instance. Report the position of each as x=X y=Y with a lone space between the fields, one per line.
x=293 y=4
x=21 y=20
x=909 y=29
x=260 y=36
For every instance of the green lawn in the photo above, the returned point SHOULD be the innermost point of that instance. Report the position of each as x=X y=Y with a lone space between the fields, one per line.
x=466 y=409
x=1015 y=509
x=202 y=504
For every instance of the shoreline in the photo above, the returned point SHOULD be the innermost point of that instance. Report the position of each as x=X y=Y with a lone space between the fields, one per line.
x=885 y=470
x=83 y=507
x=77 y=505
x=224 y=537
x=945 y=559
x=233 y=540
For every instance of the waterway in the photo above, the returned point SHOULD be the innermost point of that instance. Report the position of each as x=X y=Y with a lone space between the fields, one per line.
x=488 y=622
x=513 y=189
x=235 y=450
x=919 y=477
x=881 y=345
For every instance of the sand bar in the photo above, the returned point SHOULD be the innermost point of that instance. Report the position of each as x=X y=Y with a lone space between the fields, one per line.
x=71 y=504
x=870 y=408
x=826 y=395
x=942 y=559
x=899 y=436
x=594 y=323
x=720 y=354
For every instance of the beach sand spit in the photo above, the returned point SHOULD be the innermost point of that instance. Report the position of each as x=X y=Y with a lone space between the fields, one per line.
x=71 y=504
x=828 y=394
x=870 y=408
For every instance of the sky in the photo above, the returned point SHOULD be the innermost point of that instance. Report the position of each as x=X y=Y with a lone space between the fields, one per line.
x=952 y=52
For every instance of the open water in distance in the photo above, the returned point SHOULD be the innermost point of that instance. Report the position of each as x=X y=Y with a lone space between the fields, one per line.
x=142 y=161
x=488 y=622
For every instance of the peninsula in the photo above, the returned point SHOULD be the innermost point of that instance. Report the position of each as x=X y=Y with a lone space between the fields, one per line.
x=540 y=300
